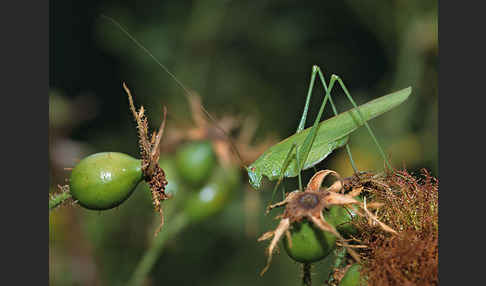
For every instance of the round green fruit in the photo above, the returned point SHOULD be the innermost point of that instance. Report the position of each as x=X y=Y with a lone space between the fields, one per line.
x=352 y=276
x=195 y=162
x=341 y=218
x=309 y=243
x=104 y=180
x=213 y=197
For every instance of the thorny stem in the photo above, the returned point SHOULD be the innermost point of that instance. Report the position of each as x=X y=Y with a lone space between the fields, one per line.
x=172 y=227
x=306 y=275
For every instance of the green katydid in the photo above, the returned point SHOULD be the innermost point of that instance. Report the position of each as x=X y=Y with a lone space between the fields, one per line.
x=311 y=145
x=308 y=146
x=314 y=144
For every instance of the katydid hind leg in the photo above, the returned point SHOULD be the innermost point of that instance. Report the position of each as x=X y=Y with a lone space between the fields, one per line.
x=309 y=140
x=334 y=110
x=341 y=83
x=303 y=152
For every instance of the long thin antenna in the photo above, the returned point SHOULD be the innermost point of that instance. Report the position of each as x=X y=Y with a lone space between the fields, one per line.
x=147 y=52
x=188 y=94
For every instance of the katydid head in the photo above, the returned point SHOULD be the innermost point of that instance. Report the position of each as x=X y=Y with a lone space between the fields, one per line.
x=255 y=177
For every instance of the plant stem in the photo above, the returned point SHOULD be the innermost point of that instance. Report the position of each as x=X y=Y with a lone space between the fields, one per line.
x=340 y=254
x=172 y=227
x=57 y=199
x=306 y=277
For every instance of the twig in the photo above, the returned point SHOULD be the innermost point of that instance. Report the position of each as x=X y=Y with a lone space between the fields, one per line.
x=150 y=257
x=340 y=254
x=306 y=277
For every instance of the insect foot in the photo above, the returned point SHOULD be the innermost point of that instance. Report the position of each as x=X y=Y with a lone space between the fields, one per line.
x=309 y=237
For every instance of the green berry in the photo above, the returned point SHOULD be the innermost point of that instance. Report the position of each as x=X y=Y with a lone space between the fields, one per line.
x=212 y=197
x=104 y=180
x=195 y=162
x=309 y=243
x=173 y=181
x=341 y=218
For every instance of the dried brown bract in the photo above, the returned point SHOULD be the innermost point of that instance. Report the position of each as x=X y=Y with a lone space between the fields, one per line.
x=309 y=205
x=218 y=132
x=150 y=153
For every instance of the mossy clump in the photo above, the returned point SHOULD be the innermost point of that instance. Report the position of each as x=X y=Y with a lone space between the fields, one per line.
x=410 y=206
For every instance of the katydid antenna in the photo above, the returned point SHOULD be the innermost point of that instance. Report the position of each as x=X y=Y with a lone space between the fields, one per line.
x=187 y=93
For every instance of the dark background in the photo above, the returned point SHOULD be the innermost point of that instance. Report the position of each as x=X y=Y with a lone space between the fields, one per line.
x=250 y=58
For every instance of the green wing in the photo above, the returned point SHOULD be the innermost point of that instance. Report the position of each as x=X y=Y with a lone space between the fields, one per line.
x=332 y=133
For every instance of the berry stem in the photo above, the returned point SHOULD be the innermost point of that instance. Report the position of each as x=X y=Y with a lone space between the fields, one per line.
x=173 y=227
x=306 y=277
x=340 y=254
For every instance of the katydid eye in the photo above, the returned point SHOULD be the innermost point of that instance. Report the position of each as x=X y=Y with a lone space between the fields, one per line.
x=104 y=180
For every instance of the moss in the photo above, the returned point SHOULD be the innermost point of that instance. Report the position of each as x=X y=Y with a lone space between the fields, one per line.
x=411 y=208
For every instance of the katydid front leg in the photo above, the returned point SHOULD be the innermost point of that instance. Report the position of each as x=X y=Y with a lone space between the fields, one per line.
x=304 y=150
x=315 y=69
x=309 y=140
x=348 y=149
x=306 y=146
x=281 y=176
x=303 y=118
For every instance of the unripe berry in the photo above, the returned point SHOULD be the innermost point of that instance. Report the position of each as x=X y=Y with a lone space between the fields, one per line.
x=104 y=180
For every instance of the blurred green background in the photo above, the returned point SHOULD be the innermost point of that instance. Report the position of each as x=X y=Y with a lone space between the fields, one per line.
x=251 y=58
